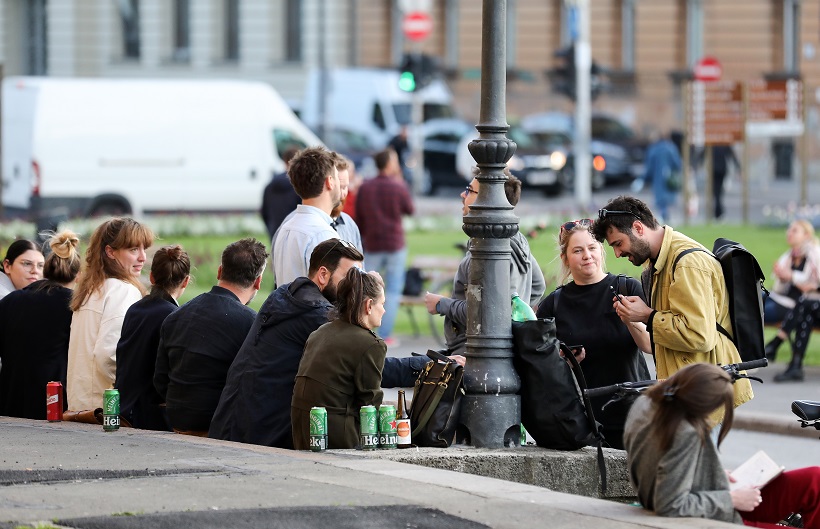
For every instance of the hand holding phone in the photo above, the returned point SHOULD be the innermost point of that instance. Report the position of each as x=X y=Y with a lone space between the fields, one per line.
x=616 y=294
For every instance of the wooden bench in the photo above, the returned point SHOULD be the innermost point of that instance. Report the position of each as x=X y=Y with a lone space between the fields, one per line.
x=437 y=273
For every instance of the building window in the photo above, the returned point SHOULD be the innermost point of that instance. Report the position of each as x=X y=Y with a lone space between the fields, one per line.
x=182 y=31
x=129 y=15
x=232 y=30
x=791 y=35
x=694 y=32
x=37 y=38
x=293 y=31
x=628 y=35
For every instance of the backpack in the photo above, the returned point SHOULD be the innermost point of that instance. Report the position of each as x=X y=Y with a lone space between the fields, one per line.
x=744 y=286
x=554 y=409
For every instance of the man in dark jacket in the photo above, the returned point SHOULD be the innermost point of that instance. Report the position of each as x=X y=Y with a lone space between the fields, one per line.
x=255 y=404
x=279 y=198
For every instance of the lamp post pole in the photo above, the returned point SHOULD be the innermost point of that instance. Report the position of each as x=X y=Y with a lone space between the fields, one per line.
x=491 y=413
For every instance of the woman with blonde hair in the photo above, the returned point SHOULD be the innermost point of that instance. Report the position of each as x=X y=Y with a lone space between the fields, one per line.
x=137 y=348
x=22 y=266
x=341 y=368
x=35 y=323
x=108 y=286
x=675 y=467
x=584 y=315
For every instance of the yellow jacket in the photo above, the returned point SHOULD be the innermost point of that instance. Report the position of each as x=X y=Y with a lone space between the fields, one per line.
x=687 y=304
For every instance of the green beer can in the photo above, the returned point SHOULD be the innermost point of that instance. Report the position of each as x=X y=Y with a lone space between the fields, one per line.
x=318 y=429
x=368 y=424
x=111 y=410
x=388 y=435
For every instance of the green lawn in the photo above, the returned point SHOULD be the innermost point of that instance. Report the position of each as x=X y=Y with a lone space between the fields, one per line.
x=766 y=243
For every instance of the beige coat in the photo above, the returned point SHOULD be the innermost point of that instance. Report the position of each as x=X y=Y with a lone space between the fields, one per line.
x=92 y=345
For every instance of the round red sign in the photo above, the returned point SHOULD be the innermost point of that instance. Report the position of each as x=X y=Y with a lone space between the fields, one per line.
x=708 y=69
x=417 y=25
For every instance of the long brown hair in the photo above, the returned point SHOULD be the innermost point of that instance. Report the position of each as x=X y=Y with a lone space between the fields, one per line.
x=692 y=394
x=118 y=233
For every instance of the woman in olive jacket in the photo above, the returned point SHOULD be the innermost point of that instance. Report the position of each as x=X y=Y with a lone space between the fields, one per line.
x=341 y=369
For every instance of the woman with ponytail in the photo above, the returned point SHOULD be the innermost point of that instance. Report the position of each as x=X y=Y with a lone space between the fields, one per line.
x=35 y=323
x=341 y=368
x=674 y=463
x=108 y=285
x=137 y=348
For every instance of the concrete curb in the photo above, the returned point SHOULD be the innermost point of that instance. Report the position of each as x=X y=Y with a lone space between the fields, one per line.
x=771 y=423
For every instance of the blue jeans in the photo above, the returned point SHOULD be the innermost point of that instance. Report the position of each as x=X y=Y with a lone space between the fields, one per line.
x=391 y=267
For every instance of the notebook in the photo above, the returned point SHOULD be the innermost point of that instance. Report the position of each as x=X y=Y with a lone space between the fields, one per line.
x=756 y=471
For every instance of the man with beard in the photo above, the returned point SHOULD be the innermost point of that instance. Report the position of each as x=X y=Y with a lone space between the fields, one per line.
x=343 y=223
x=686 y=292
x=255 y=404
x=315 y=178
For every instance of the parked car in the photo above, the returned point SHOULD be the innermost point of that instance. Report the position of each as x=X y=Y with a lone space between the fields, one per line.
x=355 y=146
x=442 y=139
x=617 y=151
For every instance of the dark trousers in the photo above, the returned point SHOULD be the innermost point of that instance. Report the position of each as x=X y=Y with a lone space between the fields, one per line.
x=718 y=178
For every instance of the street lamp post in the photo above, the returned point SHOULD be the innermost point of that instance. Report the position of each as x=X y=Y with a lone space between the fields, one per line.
x=491 y=413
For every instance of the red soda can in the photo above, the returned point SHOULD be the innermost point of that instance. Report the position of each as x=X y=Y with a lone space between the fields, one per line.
x=54 y=401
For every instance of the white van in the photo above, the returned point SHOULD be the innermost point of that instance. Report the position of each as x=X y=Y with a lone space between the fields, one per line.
x=370 y=102
x=76 y=147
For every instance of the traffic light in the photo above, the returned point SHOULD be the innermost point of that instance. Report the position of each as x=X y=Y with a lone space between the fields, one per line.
x=562 y=78
x=416 y=71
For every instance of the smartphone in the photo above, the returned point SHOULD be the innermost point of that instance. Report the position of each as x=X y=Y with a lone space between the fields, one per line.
x=616 y=294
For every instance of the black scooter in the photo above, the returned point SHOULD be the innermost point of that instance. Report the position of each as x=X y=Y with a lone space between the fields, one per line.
x=809 y=413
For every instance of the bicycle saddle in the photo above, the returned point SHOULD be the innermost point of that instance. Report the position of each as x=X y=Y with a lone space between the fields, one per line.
x=806 y=409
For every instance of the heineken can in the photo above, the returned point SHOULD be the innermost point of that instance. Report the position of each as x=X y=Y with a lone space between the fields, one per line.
x=388 y=435
x=368 y=424
x=318 y=429
x=111 y=410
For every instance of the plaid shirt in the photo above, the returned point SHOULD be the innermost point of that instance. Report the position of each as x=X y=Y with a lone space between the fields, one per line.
x=380 y=205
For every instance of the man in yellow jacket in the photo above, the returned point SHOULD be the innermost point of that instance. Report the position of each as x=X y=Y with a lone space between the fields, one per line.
x=686 y=300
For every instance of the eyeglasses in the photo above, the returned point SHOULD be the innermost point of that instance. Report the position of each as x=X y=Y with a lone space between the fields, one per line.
x=468 y=190
x=567 y=226
x=603 y=213
x=345 y=244
x=31 y=265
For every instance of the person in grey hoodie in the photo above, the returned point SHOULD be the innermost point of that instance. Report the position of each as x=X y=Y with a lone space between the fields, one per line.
x=255 y=404
x=526 y=278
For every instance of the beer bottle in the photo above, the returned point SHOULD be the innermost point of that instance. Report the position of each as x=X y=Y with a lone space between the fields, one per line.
x=403 y=422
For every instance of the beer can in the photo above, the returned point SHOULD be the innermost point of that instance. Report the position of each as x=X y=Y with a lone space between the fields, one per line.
x=388 y=435
x=111 y=410
x=54 y=401
x=368 y=424
x=318 y=429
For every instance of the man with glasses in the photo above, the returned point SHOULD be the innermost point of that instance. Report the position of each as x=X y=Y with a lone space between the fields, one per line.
x=255 y=404
x=526 y=277
x=687 y=293
x=315 y=178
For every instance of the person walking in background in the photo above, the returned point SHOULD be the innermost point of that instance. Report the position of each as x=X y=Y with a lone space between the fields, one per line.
x=675 y=466
x=315 y=178
x=279 y=198
x=199 y=340
x=399 y=143
x=722 y=157
x=108 y=285
x=526 y=278
x=22 y=266
x=612 y=347
x=341 y=368
x=662 y=171
x=380 y=206
x=137 y=348
x=687 y=298
x=35 y=324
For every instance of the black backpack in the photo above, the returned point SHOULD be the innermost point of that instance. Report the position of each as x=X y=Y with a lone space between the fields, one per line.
x=744 y=285
x=554 y=409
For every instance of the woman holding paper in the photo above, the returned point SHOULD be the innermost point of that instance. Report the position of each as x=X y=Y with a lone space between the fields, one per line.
x=675 y=466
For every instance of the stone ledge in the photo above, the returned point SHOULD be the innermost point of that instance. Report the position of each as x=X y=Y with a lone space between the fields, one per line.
x=569 y=472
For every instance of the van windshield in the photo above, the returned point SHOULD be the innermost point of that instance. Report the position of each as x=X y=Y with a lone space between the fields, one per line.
x=284 y=139
x=431 y=111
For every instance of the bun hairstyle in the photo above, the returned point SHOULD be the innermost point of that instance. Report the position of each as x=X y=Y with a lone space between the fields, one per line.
x=63 y=262
x=170 y=267
x=692 y=394
x=352 y=294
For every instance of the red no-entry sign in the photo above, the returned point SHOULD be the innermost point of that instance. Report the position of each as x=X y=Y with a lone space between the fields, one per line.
x=417 y=25
x=708 y=69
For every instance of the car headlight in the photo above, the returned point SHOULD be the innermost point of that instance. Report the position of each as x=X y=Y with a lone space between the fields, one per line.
x=558 y=160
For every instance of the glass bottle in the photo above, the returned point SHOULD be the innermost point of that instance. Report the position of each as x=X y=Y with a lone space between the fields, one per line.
x=403 y=422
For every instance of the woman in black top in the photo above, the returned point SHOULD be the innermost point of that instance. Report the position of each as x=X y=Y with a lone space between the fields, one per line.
x=137 y=348
x=34 y=326
x=584 y=315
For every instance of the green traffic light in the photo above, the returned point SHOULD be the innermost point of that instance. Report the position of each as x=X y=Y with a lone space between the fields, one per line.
x=407 y=81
